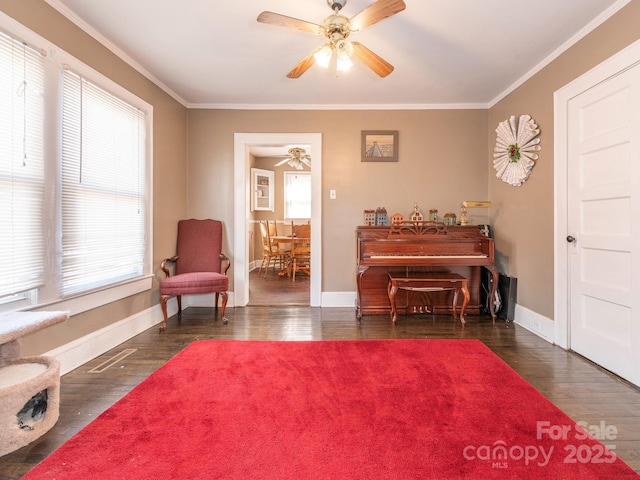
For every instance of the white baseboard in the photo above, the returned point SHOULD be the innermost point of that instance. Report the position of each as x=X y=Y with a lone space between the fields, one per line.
x=205 y=300
x=535 y=323
x=338 y=299
x=80 y=351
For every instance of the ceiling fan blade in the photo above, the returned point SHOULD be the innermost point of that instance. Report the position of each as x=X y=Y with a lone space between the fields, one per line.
x=282 y=162
x=290 y=22
x=371 y=60
x=375 y=13
x=304 y=65
x=306 y=161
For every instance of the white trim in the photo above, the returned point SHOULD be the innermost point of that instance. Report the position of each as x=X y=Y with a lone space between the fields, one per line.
x=80 y=23
x=88 y=301
x=535 y=323
x=205 y=300
x=617 y=63
x=372 y=106
x=84 y=349
x=242 y=142
x=339 y=299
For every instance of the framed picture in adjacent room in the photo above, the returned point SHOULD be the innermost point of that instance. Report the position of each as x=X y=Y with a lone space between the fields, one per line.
x=379 y=145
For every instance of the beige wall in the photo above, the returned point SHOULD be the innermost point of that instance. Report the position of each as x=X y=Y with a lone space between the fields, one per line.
x=442 y=162
x=523 y=216
x=169 y=163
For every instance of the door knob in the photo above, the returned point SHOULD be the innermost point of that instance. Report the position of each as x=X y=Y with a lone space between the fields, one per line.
x=571 y=239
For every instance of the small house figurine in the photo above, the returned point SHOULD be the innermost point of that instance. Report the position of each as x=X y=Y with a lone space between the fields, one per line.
x=433 y=215
x=369 y=217
x=397 y=219
x=449 y=218
x=416 y=215
x=381 y=216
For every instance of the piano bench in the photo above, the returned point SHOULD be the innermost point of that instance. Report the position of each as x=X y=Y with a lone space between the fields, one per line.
x=428 y=282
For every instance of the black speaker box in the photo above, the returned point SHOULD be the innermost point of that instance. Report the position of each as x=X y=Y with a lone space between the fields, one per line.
x=508 y=288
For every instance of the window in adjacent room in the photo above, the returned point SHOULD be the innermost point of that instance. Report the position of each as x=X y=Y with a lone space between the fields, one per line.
x=297 y=195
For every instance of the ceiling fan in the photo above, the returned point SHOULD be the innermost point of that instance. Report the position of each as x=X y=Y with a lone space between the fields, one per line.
x=337 y=28
x=295 y=158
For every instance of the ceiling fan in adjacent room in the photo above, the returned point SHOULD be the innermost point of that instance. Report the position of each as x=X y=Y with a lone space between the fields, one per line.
x=337 y=28
x=296 y=157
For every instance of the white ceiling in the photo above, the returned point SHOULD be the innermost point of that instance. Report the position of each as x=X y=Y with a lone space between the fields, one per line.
x=446 y=53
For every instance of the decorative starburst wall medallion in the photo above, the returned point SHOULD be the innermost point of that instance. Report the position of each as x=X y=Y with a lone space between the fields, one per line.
x=514 y=154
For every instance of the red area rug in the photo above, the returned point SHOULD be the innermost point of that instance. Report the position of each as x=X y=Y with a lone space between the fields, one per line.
x=372 y=409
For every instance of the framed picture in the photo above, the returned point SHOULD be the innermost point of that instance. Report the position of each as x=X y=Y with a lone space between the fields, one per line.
x=379 y=145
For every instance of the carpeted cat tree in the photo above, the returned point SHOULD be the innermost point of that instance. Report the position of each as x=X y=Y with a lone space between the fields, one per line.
x=29 y=386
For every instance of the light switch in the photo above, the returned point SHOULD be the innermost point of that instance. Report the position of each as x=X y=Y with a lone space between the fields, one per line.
x=332 y=194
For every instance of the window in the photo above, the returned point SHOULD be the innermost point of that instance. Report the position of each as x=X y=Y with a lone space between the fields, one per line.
x=297 y=195
x=103 y=151
x=21 y=167
x=75 y=170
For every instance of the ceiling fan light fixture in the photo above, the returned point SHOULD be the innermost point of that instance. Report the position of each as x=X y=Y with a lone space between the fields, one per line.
x=344 y=51
x=295 y=163
x=323 y=56
x=343 y=64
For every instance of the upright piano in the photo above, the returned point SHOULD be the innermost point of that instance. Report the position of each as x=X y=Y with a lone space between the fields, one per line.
x=413 y=247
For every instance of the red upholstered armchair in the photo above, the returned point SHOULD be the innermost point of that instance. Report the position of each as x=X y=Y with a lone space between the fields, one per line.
x=200 y=265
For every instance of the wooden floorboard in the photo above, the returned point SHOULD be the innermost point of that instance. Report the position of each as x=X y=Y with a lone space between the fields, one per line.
x=580 y=388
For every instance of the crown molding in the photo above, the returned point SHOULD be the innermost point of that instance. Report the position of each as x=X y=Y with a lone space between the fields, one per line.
x=595 y=23
x=70 y=15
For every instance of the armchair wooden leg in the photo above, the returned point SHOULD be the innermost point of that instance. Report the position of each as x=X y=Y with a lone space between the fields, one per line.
x=179 y=297
x=224 y=306
x=163 y=306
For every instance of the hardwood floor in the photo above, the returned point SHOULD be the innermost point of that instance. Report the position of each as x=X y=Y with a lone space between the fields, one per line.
x=584 y=391
x=272 y=289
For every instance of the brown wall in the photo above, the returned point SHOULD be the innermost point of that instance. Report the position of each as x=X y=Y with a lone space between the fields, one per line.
x=442 y=161
x=169 y=163
x=523 y=216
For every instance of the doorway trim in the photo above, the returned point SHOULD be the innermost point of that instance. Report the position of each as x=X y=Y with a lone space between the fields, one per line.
x=621 y=61
x=241 y=187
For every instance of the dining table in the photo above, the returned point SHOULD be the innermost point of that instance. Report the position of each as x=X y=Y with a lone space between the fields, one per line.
x=281 y=240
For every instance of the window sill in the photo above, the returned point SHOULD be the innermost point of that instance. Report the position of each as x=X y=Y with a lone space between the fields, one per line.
x=98 y=298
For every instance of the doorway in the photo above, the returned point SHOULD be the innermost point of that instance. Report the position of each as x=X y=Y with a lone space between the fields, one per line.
x=597 y=156
x=243 y=142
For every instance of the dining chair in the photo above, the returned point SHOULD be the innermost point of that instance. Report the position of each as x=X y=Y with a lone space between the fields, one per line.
x=300 y=250
x=271 y=251
x=272 y=227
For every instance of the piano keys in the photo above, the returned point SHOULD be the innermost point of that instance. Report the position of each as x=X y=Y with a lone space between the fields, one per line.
x=415 y=247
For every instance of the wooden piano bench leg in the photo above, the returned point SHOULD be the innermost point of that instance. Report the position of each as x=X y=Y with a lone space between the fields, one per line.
x=465 y=300
x=455 y=304
x=455 y=301
x=392 y=289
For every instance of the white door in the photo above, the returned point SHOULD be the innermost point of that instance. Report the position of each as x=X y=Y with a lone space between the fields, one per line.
x=604 y=223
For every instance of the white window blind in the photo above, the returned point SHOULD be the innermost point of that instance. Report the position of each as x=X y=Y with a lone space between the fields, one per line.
x=21 y=166
x=297 y=194
x=103 y=187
